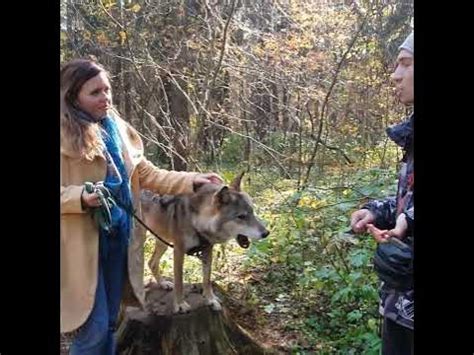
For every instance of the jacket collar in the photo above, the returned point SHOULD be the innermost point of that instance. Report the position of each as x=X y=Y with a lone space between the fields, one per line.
x=402 y=133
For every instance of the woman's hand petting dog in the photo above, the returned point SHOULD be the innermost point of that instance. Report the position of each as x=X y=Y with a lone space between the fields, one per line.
x=202 y=179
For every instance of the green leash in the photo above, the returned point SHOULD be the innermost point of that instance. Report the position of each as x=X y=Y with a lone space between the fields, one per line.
x=101 y=214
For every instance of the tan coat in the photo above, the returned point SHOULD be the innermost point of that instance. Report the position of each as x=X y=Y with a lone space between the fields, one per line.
x=80 y=236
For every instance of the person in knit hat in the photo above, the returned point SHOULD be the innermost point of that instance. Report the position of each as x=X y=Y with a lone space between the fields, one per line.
x=394 y=218
x=403 y=75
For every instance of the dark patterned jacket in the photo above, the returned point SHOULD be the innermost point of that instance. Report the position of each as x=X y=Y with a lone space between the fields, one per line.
x=395 y=305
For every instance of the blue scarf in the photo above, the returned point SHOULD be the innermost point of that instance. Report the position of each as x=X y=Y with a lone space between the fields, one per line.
x=117 y=180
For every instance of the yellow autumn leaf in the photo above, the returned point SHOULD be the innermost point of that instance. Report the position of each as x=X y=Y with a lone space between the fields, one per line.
x=109 y=3
x=274 y=259
x=102 y=39
x=123 y=36
x=135 y=8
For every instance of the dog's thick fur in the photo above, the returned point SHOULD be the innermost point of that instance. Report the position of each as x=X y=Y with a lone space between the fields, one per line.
x=215 y=213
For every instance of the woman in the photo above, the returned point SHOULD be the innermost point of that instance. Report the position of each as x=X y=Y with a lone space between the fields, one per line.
x=97 y=263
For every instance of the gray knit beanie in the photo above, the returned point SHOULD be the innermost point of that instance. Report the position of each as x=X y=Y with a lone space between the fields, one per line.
x=408 y=44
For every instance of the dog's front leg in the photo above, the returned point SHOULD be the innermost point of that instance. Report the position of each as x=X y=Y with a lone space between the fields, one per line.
x=208 y=294
x=154 y=265
x=179 y=304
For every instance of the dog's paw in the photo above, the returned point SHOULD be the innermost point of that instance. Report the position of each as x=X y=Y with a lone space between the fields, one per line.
x=166 y=285
x=182 y=307
x=214 y=302
x=163 y=284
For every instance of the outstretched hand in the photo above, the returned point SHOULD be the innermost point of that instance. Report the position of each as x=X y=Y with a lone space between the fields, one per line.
x=360 y=219
x=382 y=236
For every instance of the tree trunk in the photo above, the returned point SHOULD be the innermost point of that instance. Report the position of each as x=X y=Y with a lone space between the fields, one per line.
x=180 y=118
x=202 y=331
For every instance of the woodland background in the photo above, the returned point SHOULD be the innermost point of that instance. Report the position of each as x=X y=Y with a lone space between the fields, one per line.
x=297 y=94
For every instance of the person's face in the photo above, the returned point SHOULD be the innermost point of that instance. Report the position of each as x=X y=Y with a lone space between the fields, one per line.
x=403 y=77
x=95 y=96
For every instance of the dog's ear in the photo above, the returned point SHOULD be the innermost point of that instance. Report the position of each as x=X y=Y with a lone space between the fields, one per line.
x=235 y=184
x=223 y=196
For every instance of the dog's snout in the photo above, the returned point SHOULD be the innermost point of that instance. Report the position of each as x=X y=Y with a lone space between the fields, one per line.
x=265 y=234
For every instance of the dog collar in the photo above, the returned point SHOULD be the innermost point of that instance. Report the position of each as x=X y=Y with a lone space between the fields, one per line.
x=198 y=250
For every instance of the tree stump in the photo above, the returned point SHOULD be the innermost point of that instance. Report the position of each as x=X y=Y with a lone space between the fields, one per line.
x=202 y=331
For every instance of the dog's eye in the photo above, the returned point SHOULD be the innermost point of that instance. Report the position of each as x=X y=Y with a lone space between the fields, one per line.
x=242 y=216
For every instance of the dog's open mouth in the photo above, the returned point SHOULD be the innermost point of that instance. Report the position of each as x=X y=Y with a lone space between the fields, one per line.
x=243 y=241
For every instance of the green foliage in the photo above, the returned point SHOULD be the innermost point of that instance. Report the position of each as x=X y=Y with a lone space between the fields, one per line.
x=315 y=273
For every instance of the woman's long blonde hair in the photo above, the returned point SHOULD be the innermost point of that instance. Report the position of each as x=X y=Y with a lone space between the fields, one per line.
x=82 y=136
